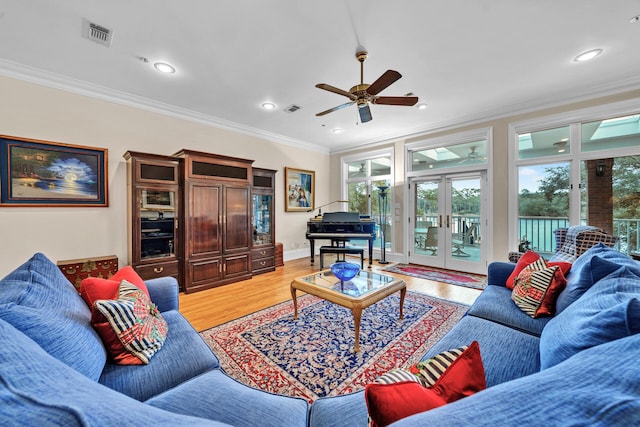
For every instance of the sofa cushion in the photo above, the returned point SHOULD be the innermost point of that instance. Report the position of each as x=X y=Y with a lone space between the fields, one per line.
x=216 y=396
x=332 y=411
x=609 y=310
x=578 y=281
x=495 y=304
x=537 y=287
x=183 y=356
x=38 y=300
x=596 y=387
x=506 y=352
x=38 y=390
x=134 y=329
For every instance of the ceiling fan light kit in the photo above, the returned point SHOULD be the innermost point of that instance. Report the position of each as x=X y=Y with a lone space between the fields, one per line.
x=364 y=94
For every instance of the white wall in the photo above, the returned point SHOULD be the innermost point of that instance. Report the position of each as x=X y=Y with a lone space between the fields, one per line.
x=32 y=111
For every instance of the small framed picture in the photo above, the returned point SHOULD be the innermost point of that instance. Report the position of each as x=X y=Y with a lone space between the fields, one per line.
x=44 y=173
x=299 y=190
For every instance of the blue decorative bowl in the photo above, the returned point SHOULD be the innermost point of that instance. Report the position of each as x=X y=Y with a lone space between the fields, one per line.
x=345 y=270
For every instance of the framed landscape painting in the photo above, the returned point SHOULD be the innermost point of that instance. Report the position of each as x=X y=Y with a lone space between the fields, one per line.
x=299 y=190
x=44 y=173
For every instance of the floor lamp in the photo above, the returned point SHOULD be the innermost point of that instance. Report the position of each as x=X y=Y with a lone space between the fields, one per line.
x=382 y=207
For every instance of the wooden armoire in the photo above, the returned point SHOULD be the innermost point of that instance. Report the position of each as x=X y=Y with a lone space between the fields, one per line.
x=217 y=219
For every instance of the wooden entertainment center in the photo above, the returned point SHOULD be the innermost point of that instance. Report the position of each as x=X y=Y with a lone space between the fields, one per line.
x=196 y=216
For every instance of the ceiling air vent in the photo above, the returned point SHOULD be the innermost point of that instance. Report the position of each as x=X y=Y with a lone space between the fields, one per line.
x=292 y=108
x=97 y=33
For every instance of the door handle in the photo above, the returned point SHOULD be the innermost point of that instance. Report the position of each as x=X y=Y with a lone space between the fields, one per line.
x=448 y=221
x=440 y=221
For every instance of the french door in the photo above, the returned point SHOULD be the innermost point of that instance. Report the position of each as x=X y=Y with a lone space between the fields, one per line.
x=447 y=222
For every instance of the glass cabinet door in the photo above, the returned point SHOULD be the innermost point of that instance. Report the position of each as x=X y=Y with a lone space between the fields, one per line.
x=157 y=223
x=262 y=218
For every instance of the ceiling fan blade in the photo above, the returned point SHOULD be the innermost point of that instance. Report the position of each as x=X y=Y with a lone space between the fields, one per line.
x=336 y=90
x=339 y=107
x=395 y=100
x=383 y=82
x=365 y=113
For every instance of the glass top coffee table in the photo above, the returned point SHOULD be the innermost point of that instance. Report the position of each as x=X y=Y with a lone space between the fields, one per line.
x=356 y=294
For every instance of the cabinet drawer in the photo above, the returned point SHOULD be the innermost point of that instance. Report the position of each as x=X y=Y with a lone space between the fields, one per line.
x=152 y=271
x=262 y=263
x=262 y=252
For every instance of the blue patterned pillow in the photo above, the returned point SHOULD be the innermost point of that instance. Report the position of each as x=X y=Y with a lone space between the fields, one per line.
x=609 y=310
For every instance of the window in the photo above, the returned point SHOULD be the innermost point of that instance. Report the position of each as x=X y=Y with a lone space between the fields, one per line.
x=366 y=175
x=577 y=172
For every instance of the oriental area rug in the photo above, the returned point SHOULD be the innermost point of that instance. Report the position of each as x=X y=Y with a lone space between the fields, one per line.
x=475 y=281
x=312 y=356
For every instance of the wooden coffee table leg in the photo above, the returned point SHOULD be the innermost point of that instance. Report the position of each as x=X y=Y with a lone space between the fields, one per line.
x=357 y=315
x=295 y=302
x=403 y=292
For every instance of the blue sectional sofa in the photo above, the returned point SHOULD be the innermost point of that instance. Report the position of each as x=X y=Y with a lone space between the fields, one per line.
x=54 y=368
x=579 y=367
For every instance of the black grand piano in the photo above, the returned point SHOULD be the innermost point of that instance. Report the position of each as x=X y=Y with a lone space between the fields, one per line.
x=340 y=227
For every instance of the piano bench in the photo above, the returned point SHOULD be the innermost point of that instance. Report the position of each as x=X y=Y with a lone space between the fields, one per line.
x=341 y=250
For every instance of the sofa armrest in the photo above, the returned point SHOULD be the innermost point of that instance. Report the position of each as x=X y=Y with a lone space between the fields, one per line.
x=164 y=292
x=498 y=272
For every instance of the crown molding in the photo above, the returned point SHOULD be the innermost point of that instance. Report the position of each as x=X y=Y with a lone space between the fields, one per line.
x=57 y=81
x=512 y=110
x=80 y=87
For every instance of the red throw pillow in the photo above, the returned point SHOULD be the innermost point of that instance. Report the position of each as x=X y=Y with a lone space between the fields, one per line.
x=95 y=288
x=548 y=306
x=388 y=403
x=523 y=262
x=462 y=377
x=129 y=274
x=565 y=267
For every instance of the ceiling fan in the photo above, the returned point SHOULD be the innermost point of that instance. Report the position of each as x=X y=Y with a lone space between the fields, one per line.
x=363 y=94
x=471 y=155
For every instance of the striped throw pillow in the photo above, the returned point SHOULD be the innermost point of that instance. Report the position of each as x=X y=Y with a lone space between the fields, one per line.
x=537 y=287
x=430 y=370
x=136 y=322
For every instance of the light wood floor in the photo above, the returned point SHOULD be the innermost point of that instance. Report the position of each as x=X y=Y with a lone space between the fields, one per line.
x=212 y=307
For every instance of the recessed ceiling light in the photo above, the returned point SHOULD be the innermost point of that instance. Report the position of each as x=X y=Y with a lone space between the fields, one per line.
x=422 y=106
x=337 y=130
x=588 y=55
x=268 y=105
x=163 y=67
x=634 y=19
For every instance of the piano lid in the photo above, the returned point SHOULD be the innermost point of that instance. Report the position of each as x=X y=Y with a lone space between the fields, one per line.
x=341 y=217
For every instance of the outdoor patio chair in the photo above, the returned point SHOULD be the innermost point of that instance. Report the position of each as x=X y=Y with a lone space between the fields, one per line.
x=574 y=241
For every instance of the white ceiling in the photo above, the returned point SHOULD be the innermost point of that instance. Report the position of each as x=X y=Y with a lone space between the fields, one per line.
x=466 y=59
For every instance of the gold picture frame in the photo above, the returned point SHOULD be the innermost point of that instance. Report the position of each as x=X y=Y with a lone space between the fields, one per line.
x=299 y=190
